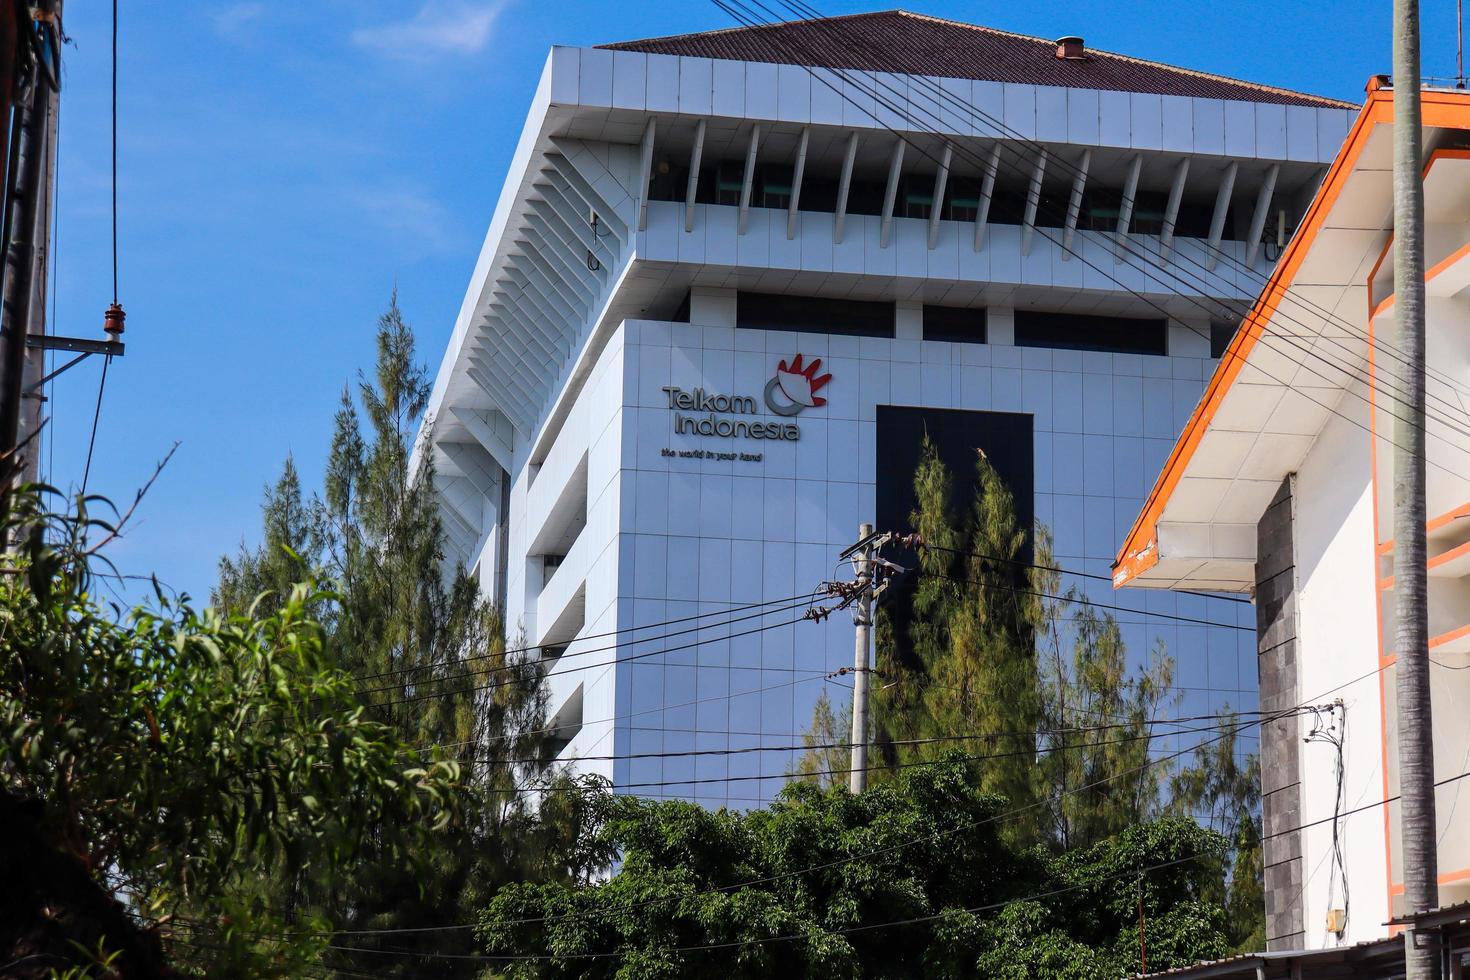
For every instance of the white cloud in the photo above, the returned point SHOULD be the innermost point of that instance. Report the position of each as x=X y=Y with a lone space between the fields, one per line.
x=416 y=220
x=232 y=21
x=440 y=27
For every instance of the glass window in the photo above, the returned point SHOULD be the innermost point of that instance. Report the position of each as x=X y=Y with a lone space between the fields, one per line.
x=1072 y=331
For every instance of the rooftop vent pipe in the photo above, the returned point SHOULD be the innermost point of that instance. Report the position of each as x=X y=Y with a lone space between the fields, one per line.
x=1071 y=49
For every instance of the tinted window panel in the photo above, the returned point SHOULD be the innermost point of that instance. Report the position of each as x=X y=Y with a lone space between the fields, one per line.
x=1070 y=331
x=957 y=324
x=768 y=311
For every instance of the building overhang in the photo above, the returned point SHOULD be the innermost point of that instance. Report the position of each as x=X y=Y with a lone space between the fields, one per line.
x=1300 y=350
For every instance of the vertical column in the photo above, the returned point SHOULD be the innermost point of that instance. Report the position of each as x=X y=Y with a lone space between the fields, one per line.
x=1280 y=740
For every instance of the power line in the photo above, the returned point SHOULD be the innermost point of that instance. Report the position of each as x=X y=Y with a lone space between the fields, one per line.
x=1146 y=264
x=1067 y=571
x=1002 y=587
x=795 y=601
x=942 y=95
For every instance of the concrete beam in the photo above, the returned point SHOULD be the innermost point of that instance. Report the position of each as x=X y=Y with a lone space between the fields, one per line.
x=890 y=193
x=1263 y=209
x=844 y=185
x=691 y=191
x=941 y=178
x=1033 y=200
x=645 y=172
x=1074 y=204
x=1130 y=193
x=987 y=191
x=494 y=442
x=797 y=173
x=1171 y=210
x=747 y=179
x=1222 y=207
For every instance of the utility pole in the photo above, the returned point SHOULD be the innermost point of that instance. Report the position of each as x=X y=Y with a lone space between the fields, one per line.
x=1415 y=735
x=861 y=664
x=32 y=387
x=20 y=223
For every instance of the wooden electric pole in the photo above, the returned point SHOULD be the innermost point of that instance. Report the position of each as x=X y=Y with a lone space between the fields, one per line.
x=1417 y=835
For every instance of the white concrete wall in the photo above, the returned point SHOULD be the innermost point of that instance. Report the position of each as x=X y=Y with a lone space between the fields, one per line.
x=702 y=537
x=1337 y=639
x=788 y=93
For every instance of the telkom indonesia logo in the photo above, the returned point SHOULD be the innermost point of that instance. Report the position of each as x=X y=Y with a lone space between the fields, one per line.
x=794 y=388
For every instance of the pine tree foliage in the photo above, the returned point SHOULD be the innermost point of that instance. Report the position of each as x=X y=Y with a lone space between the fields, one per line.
x=430 y=656
x=968 y=636
x=827 y=758
x=1225 y=794
x=989 y=642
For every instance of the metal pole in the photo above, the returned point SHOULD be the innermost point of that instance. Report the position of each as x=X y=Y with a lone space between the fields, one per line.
x=1415 y=736
x=858 y=778
x=15 y=298
x=33 y=394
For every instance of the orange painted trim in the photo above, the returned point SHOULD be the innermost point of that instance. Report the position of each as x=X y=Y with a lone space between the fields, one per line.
x=1448 y=878
x=1432 y=525
x=1440 y=267
x=1446 y=557
x=1451 y=636
x=1376 y=308
x=1140 y=549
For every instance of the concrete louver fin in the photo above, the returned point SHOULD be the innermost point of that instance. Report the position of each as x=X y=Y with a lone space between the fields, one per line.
x=987 y=192
x=492 y=430
x=471 y=461
x=575 y=278
x=522 y=346
x=553 y=282
x=517 y=410
x=1222 y=208
x=1074 y=204
x=553 y=341
x=844 y=185
x=559 y=197
x=611 y=169
x=535 y=288
x=573 y=253
x=1033 y=201
x=691 y=192
x=510 y=317
x=1130 y=193
x=941 y=178
x=1171 y=209
x=747 y=180
x=890 y=192
x=797 y=174
x=1263 y=209
x=493 y=365
x=645 y=171
x=590 y=186
x=526 y=370
x=463 y=531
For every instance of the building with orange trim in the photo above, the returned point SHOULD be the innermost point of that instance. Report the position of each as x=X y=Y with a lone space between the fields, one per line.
x=1281 y=487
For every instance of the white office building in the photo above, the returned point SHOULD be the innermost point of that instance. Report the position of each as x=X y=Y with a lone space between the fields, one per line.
x=1014 y=244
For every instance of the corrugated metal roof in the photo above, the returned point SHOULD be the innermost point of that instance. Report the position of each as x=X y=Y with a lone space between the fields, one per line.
x=899 y=41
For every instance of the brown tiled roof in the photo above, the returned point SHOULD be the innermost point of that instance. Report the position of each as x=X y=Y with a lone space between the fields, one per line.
x=899 y=41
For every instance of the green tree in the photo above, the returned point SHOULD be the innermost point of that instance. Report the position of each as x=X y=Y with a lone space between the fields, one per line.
x=966 y=635
x=431 y=661
x=1223 y=789
x=1098 y=716
x=173 y=758
x=989 y=643
x=818 y=884
x=827 y=758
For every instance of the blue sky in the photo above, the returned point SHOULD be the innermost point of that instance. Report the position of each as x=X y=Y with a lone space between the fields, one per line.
x=283 y=166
